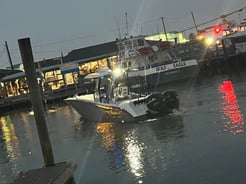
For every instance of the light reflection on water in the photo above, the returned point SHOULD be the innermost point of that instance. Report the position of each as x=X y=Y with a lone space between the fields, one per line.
x=134 y=154
x=19 y=143
x=112 y=148
x=127 y=146
x=140 y=148
x=234 y=122
x=10 y=149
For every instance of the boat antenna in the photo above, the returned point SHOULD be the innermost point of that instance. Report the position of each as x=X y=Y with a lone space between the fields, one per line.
x=119 y=29
x=165 y=31
x=126 y=24
x=62 y=58
x=164 y=27
x=239 y=17
x=157 y=29
x=194 y=21
x=10 y=60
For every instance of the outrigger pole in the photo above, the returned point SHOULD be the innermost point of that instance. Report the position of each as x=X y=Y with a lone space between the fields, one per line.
x=10 y=60
x=164 y=27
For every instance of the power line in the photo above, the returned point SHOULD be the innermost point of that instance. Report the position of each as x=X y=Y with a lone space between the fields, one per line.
x=214 y=19
x=54 y=43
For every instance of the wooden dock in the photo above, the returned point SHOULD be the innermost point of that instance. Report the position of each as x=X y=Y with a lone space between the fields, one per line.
x=61 y=173
x=12 y=102
x=24 y=99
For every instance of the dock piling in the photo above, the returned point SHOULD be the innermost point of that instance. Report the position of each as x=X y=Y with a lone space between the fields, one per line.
x=36 y=100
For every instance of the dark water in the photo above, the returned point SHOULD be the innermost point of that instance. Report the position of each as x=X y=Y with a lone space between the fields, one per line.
x=203 y=143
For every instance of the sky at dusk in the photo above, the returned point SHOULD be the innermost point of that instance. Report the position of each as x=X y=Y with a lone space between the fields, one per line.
x=56 y=26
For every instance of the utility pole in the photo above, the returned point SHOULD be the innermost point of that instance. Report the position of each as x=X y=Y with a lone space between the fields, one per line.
x=194 y=21
x=164 y=27
x=36 y=99
x=10 y=60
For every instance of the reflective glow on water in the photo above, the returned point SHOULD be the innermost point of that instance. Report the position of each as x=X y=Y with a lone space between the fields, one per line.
x=112 y=147
x=10 y=150
x=134 y=155
x=230 y=108
x=127 y=149
x=124 y=150
x=9 y=137
x=106 y=130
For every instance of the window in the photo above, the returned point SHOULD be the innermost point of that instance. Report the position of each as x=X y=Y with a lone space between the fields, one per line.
x=140 y=42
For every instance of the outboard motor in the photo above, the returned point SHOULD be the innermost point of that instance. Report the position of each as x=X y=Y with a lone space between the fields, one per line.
x=163 y=103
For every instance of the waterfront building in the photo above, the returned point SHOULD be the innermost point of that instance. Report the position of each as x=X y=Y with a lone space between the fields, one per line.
x=62 y=76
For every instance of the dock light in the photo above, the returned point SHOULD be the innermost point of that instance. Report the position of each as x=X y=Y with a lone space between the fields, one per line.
x=117 y=72
x=209 y=41
x=200 y=37
x=217 y=42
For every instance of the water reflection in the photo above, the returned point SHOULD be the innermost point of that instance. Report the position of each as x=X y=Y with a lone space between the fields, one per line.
x=161 y=150
x=123 y=148
x=82 y=129
x=141 y=147
x=9 y=138
x=168 y=128
x=134 y=154
x=234 y=121
x=110 y=144
x=9 y=146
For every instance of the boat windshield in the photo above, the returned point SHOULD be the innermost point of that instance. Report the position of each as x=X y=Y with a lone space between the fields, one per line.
x=104 y=88
x=109 y=88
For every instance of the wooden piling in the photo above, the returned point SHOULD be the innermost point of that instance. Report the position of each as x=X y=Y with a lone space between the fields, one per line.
x=36 y=100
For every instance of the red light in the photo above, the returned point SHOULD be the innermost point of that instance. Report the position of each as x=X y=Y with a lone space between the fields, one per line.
x=217 y=29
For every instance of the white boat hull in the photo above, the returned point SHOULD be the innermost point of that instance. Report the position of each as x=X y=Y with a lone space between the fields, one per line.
x=92 y=111
x=163 y=74
x=88 y=110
